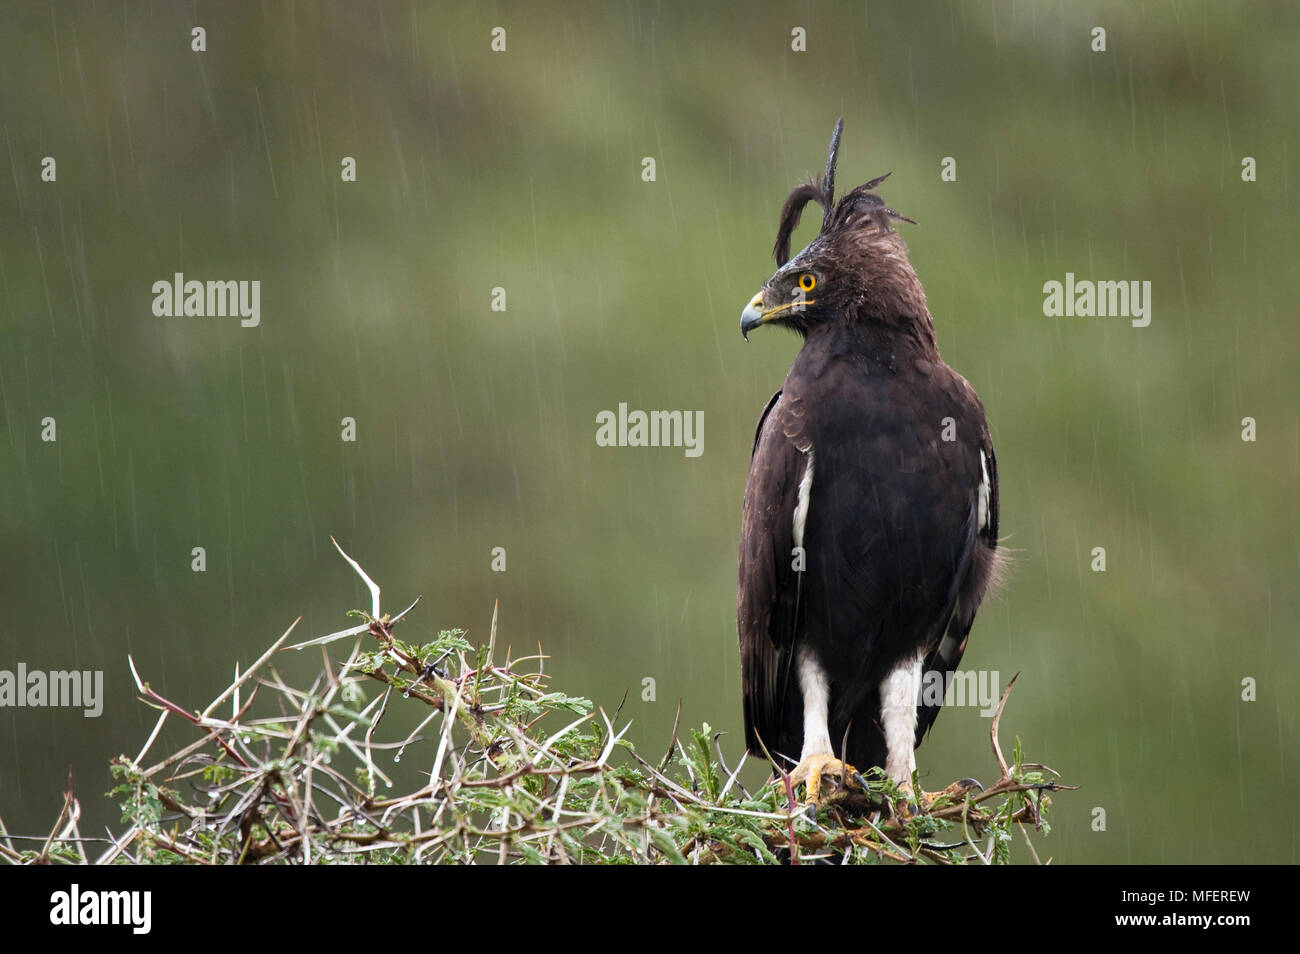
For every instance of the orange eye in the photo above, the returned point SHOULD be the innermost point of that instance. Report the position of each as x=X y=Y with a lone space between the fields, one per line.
x=807 y=281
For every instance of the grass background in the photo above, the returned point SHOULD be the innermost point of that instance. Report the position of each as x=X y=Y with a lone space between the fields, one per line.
x=477 y=428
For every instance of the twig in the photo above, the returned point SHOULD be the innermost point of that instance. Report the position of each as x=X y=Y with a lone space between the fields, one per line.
x=993 y=730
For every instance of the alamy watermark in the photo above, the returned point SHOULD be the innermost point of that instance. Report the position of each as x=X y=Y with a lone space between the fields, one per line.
x=58 y=688
x=1086 y=299
x=84 y=906
x=962 y=688
x=179 y=298
x=634 y=428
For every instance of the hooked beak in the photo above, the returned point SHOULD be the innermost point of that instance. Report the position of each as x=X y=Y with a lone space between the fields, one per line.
x=752 y=316
x=755 y=314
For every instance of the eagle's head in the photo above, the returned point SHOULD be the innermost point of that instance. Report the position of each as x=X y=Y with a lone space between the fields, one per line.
x=856 y=269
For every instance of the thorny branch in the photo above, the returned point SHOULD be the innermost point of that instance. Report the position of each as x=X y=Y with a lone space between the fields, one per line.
x=513 y=772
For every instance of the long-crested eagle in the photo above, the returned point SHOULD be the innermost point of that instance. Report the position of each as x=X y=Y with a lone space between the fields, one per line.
x=871 y=513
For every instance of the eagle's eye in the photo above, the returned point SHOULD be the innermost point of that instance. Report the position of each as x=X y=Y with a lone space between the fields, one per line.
x=807 y=281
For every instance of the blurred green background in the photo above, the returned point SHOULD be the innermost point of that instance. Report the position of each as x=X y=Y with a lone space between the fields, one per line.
x=476 y=429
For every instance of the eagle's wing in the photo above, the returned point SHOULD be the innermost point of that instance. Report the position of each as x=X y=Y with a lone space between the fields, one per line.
x=977 y=570
x=767 y=604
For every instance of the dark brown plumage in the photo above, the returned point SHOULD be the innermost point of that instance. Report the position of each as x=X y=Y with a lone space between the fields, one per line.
x=868 y=539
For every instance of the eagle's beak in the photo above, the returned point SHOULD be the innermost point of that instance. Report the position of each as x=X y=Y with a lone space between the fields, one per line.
x=752 y=316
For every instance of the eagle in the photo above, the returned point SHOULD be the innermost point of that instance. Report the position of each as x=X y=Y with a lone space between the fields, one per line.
x=870 y=526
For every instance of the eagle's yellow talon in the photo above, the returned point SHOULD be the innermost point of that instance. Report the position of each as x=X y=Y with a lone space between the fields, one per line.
x=810 y=770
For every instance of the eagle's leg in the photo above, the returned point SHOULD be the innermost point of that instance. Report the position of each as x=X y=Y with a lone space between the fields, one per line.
x=899 y=693
x=817 y=758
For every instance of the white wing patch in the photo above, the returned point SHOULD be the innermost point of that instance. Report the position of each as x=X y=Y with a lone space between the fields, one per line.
x=984 y=491
x=801 y=507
